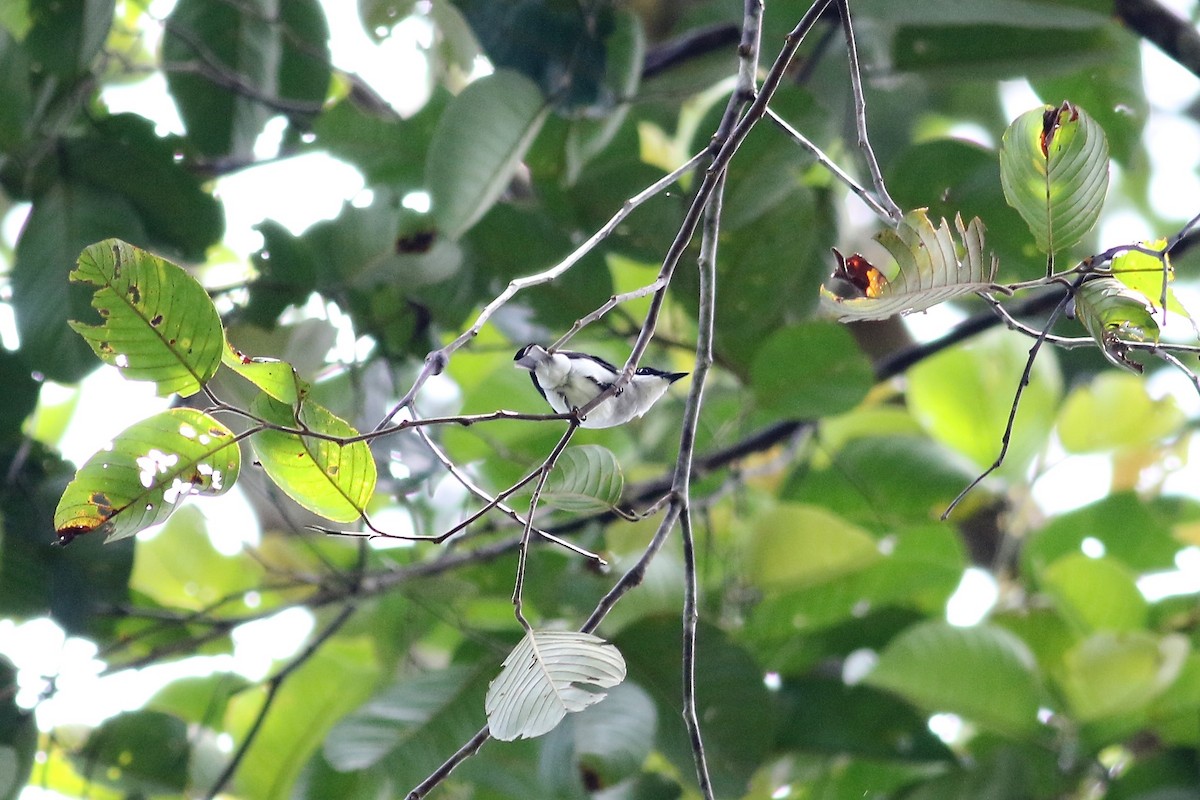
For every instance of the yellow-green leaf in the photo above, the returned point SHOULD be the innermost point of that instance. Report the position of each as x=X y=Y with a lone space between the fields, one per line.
x=159 y=323
x=328 y=478
x=276 y=378
x=143 y=475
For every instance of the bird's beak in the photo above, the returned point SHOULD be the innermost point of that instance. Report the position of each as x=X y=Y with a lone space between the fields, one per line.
x=525 y=362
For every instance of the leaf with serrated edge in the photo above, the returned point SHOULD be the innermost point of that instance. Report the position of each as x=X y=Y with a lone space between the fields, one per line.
x=1054 y=172
x=330 y=479
x=929 y=269
x=544 y=679
x=159 y=323
x=586 y=478
x=1115 y=314
x=143 y=475
x=276 y=378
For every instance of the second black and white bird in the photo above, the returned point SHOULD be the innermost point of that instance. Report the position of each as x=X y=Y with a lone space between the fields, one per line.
x=568 y=380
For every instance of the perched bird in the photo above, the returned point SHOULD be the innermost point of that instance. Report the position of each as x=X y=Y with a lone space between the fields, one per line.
x=569 y=380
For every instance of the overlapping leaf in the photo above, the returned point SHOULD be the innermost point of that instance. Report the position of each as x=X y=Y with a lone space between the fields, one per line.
x=1151 y=275
x=328 y=478
x=548 y=675
x=276 y=378
x=586 y=478
x=159 y=323
x=1054 y=170
x=930 y=268
x=139 y=479
x=1114 y=314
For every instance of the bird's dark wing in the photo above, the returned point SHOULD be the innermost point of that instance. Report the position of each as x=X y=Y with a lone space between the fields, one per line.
x=538 y=386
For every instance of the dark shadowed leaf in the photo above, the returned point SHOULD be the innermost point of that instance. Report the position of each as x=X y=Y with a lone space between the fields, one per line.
x=139 y=752
x=837 y=374
x=63 y=222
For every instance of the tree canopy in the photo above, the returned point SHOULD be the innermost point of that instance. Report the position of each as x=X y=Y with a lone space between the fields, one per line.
x=904 y=307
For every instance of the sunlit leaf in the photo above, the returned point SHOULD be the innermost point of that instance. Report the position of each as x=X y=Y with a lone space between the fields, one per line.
x=1115 y=411
x=478 y=144
x=1095 y=593
x=963 y=397
x=147 y=470
x=328 y=478
x=276 y=378
x=586 y=478
x=942 y=668
x=1145 y=273
x=795 y=545
x=1118 y=672
x=1054 y=169
x=1114 y=314
x=929 y=268
x=159 y=323
x=547 y=676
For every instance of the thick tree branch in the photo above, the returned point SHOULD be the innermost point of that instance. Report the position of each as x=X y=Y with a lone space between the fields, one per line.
x=1158 y=24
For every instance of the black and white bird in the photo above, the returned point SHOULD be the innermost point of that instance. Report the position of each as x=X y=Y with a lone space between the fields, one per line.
x=568 y=380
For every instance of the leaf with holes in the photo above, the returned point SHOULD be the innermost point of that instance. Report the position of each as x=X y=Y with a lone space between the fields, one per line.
x=143 y=475
x=276 y=378
x=586 y=478
x=1054 y=170
x=547 y=676
x=930 y=268
x=1114 y=314
x=328 y=478
x=159 y=323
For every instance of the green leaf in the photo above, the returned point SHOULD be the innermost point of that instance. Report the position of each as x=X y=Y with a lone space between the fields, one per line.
x=478 y=144
x=998 y=51
x=138 y=752
x=123 y=154
x=1113 y=673
x=1152 y=548
x=963 y=397
x=159 y=323
x=143 y=475
x=1145 y=273
x=548 y=675
x=339 y=676
x=1115 y=314
x=586 y=478
x=229 y=67
x=1131 y=418
x=14 y=18
x=983 y=673
x=793 y=546
x=611 y=740
x=330 y=479
x=737 y=711
x=930 y=268
x=837 y=374
x=1095 y=593
x=827 y=716
x=180 y=568
x=561 y=46
x=18 y=736
x=66 y=37
x=276 y=378
x=65 y=220
x=1054 y=169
